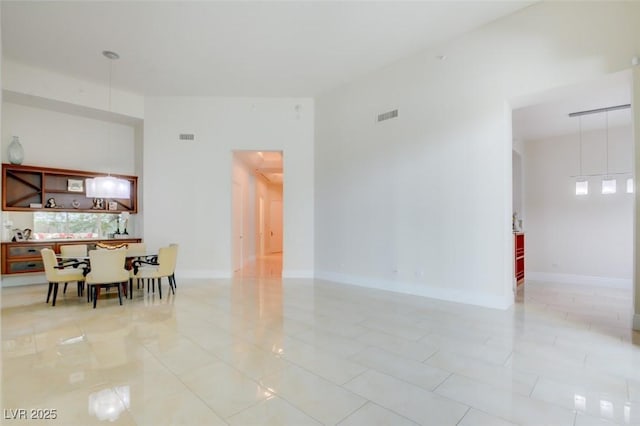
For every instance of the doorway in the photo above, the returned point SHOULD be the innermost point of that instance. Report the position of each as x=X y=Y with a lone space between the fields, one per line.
x=258 y=228
x=575 y=238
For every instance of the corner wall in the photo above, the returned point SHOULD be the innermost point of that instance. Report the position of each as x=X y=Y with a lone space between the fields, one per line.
x=635 y=109
x=422 y=203
x=579 y=238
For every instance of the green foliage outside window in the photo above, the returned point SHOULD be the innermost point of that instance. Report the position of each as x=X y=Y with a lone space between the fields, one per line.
x=72 y=225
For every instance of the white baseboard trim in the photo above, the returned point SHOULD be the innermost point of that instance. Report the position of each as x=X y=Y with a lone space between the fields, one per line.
x=636 y=322
x=580 y=279
x=419 y=289
x=23 y=279
x=297 y=273
x=203 y=274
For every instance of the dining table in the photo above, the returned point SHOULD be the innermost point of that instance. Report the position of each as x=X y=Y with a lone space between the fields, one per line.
x=132 y=262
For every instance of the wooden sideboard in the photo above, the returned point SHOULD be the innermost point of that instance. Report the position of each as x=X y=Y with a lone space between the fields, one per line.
x=24 y=256
x=518 y=244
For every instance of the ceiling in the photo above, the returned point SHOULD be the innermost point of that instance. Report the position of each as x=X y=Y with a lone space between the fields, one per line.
x=268 y=48
x=547 y=114
x=241 y=48
x=267 y=164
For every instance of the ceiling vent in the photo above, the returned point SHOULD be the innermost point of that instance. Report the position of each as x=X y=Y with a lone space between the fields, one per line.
x=187 y=136
x=387 y=115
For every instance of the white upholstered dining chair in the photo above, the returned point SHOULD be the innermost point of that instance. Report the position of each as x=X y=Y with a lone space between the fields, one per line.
x=56 y=274
x=164 y=267
x=72 y=253
x=107 y=270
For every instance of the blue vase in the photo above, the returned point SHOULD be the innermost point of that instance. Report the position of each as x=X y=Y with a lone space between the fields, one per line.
x=16 y=153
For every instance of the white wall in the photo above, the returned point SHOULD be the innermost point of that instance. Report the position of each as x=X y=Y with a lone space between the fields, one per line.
x=74 y=94
x=188 y=184
x=572 y=238
x=247 y=181
x=269 y=192
x=422 y=204
x=635 y=96
x=518 y=185
x=54 y=139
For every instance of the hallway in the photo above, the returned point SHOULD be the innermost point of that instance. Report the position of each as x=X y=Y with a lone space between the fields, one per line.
x=267 y=266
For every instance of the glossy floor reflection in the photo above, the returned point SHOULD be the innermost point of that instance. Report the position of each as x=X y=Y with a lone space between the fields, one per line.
x=267 y=266
x=296 y=352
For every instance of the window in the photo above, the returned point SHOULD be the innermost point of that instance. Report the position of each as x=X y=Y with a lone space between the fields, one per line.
x=62 y=225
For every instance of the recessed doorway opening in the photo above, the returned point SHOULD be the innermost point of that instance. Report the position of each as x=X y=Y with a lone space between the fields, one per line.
x=257 y=216
x=579 y=238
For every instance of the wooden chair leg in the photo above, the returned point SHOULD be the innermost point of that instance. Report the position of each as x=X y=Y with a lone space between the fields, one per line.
x=49 y=291
x=95 y=296
x=160 y=287
x=64 y=291
x=55 y=293
x=120 y=292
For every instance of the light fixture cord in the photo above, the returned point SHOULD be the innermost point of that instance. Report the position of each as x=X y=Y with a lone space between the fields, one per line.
x=109 y=144
x=580 y=130
x=606 y=133
x=110 y=79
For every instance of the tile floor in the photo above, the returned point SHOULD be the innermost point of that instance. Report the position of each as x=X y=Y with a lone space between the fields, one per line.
x=306 y=352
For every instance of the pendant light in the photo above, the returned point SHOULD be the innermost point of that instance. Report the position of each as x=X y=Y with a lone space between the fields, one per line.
x=608 y=183
x=108 y=186
x=582 y=184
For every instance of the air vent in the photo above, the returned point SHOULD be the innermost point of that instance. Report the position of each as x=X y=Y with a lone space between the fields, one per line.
x=387 y=115
x=187 y=136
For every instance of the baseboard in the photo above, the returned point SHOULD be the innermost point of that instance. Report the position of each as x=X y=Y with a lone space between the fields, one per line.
x=23 y=279
x=203 y=274
x=297 y=273
x=580 y=279
x=636 y=322
x=420 y=289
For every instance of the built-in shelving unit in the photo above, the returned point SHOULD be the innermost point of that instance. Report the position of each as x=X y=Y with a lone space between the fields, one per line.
x=30 y=188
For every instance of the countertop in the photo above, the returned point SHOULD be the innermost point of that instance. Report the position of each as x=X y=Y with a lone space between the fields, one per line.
x=61 y=240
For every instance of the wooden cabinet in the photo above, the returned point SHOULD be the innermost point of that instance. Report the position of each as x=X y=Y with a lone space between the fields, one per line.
x=27 y=188
x=19 y=258
x=519 y=257
x=23 y=256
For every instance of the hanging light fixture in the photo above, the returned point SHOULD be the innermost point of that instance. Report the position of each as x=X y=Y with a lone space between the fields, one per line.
x=582 y=184
x=108 y=186
x=608 y=182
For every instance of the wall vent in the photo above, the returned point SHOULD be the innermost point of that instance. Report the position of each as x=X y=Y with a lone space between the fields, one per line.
x=387 y=115
x=187 y=136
